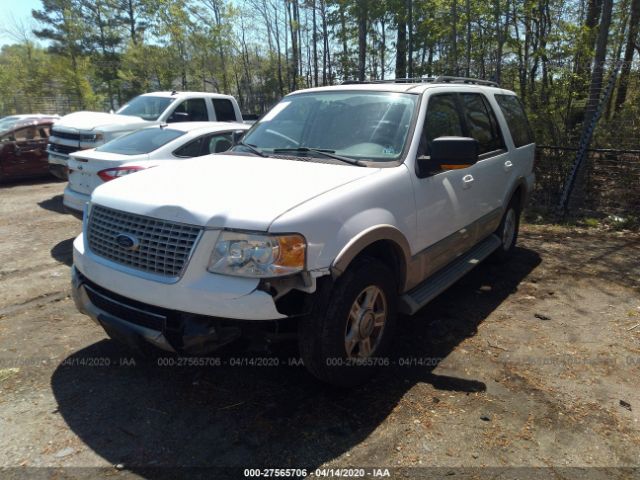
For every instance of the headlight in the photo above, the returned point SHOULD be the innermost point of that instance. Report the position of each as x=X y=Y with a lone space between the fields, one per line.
x=92 y=137
x=258 y=255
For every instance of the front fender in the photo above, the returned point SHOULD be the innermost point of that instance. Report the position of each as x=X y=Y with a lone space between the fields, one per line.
x=379 y=233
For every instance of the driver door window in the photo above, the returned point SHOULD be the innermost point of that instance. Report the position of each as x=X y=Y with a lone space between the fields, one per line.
x=442 y=120
x=206 y=144
x=219 y=143
x=25 y=134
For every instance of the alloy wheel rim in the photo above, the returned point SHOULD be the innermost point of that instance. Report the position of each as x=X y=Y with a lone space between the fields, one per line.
x=365 y=323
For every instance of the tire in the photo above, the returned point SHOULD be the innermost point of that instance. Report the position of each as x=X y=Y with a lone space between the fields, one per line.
x=343 y=315
x=507 y=231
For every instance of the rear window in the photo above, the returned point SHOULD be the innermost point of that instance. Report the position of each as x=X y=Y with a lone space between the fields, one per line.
x=224 y=110
x=141 y=141
x=517 y=122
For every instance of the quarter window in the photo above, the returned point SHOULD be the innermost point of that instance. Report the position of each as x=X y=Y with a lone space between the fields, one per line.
x=513 y=112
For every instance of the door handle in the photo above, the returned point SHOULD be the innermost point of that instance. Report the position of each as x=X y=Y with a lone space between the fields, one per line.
x=467 y=180
x=508 y=165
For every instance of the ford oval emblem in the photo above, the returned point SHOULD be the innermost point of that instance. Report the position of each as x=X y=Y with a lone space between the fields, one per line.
x=128 y=242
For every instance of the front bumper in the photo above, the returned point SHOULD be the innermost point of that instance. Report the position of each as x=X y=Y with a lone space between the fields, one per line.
x=57 y=158
x=197 y=292
x=134 y=323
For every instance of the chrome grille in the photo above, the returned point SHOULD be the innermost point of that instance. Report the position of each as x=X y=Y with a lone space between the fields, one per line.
x=64 y=149
x=163 y=249
x=68 y=135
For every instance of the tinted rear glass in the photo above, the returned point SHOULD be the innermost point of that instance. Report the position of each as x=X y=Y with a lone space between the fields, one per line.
x=140 y=142
x=224 y=110
x=516 y=119
x=481 y=122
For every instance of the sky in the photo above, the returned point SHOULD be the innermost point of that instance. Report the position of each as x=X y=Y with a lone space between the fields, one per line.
x=11 y=10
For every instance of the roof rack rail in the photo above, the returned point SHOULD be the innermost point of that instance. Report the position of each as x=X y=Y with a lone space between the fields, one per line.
x=475 y=81
x=392 y=80
x=439 y=79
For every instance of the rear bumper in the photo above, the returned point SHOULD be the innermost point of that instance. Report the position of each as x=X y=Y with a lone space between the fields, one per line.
x=134 y=323
x=75 y=201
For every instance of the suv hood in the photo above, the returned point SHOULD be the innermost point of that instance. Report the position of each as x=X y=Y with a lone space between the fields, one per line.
x=105 y=122
x=225 y=191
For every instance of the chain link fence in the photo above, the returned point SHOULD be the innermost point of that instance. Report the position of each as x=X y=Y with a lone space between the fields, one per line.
x=51 y=105
x=609 y=185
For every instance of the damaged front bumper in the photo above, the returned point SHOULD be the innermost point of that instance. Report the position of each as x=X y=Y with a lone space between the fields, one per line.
x=132 y=322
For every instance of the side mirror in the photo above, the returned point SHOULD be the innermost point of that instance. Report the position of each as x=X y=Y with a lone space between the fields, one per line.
x=448 y=153
x=178 y=117
x=236 y=136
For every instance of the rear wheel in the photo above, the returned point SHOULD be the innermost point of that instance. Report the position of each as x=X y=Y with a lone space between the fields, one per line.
x=344 y=340
x=508 y=230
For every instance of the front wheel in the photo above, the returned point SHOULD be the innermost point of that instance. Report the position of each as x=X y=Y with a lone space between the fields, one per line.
x=344 y=340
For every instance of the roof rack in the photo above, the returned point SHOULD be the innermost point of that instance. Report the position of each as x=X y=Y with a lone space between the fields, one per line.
x=439 y=79
x=392 y=80
x=474 y=81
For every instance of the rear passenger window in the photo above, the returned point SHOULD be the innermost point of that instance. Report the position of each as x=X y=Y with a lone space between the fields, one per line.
x=224 y=110
x=191 y=149
x=442 y=120
x=513 y=112
x=481 y=122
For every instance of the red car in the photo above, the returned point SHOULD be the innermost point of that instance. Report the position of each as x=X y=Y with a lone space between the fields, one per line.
x=23 y=145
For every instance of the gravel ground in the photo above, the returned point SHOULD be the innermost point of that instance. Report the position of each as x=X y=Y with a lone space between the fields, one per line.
x=538 y=365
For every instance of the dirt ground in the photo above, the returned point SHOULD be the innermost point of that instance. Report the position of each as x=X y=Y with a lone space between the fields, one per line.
x=539 y=367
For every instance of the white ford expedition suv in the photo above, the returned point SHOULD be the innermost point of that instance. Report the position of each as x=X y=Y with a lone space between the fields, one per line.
x=340 y=208
x=84 y=130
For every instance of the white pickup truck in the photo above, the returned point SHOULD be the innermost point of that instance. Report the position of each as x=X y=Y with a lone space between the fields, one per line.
x=83 y=130
x=342 y=206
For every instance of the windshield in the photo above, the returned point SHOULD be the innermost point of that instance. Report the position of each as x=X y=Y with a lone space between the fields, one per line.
x=7 y=123
x=146 y=107
x=355 y=124
x=140 y=141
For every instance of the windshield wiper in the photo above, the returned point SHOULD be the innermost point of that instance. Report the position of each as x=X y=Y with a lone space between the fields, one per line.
x=323 y=151
x=253 y=149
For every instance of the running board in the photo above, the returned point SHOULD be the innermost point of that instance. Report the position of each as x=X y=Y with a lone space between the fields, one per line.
x=419 y=296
